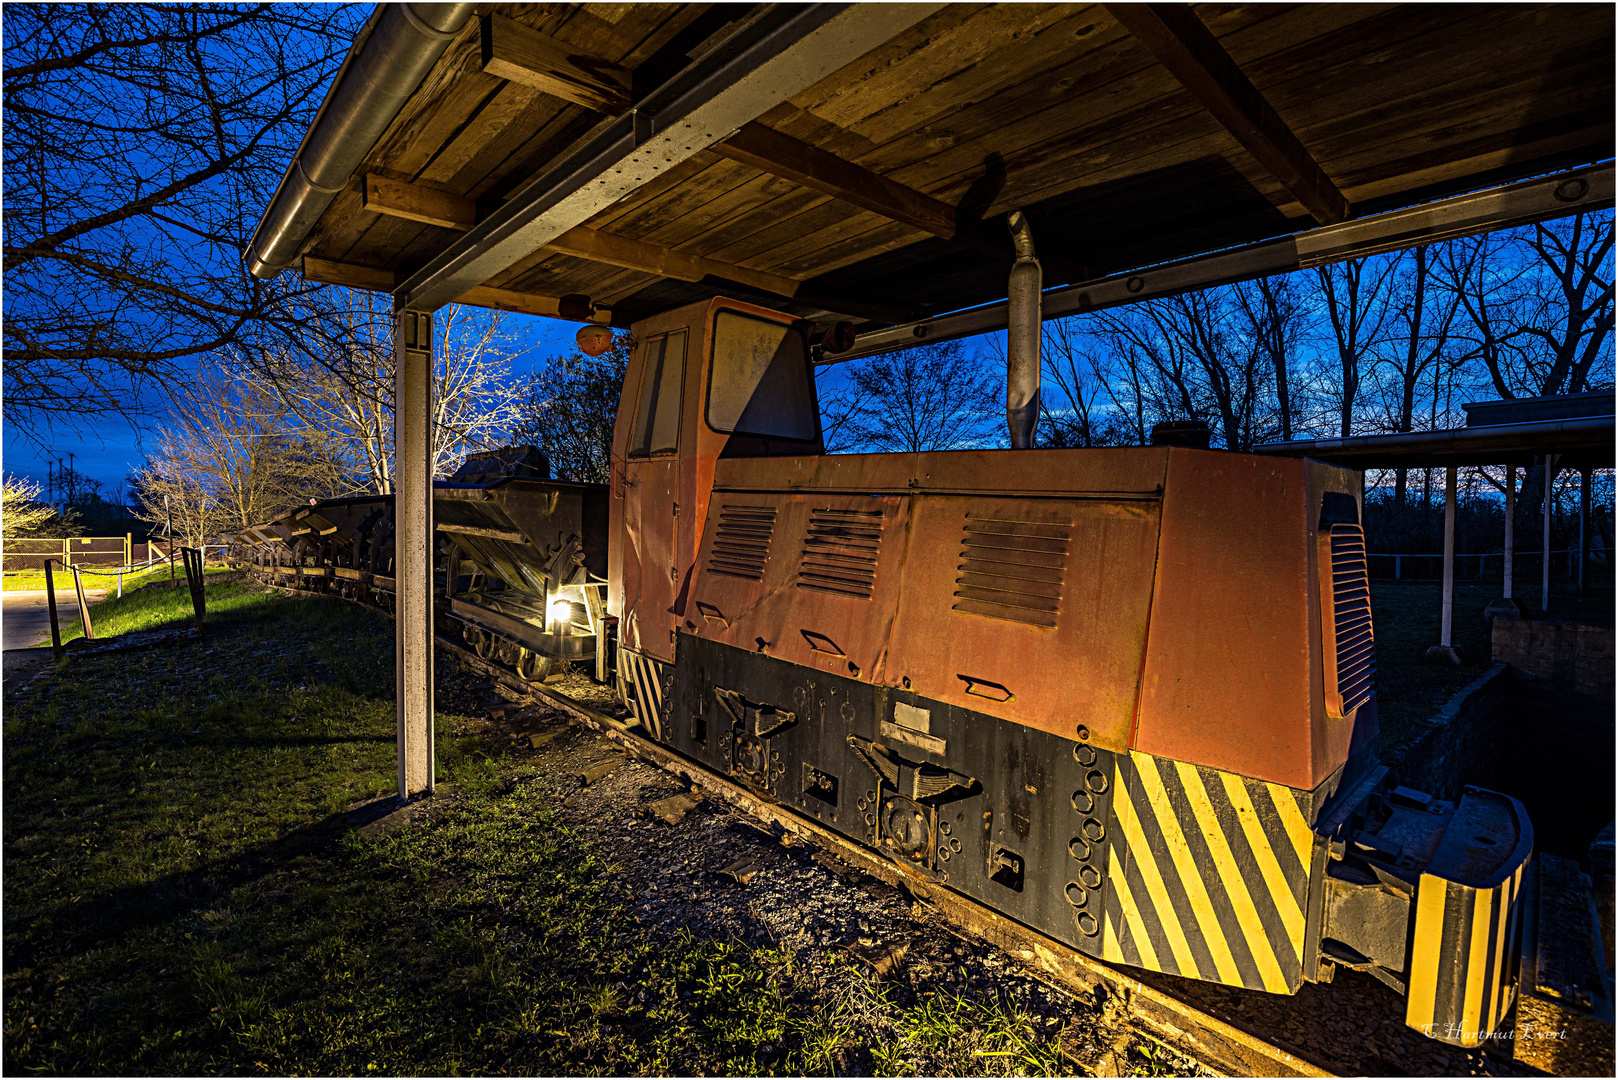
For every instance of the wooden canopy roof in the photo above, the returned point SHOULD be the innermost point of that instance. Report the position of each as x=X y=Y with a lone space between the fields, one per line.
x=1133 y=134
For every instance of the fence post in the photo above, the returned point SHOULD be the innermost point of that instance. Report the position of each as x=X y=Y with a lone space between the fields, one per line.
x=50 y=601
x=1397 y=559
x=84 y=606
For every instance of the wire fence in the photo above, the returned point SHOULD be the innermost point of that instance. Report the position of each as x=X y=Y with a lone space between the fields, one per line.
x=1526 y=566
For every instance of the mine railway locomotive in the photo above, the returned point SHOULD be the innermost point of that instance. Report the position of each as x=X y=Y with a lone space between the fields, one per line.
x=1124 y=696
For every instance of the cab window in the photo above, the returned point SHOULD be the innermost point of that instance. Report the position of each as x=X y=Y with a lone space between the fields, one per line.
x=760 y=383
x=657 y=414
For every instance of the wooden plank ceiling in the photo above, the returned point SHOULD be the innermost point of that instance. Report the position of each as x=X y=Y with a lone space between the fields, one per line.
x=1133 y=134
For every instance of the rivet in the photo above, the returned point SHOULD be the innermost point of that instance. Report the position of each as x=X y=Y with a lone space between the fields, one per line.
x=1083 y=801
x=1093 y=829
x=1084 y=755
x=1087 y=924
x=1079 y=848
x=1090 y=876
x=1076 y=894
x=1084 y=732
x=1096 y=780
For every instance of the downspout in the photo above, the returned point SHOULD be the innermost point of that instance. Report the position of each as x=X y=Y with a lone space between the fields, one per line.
x=1022 y=334
x=386 y=66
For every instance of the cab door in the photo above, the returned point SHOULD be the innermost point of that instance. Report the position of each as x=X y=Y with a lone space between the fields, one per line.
x=647 y=480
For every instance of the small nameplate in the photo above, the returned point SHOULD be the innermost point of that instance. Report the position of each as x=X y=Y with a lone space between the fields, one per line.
x=913 y=718
x=920 y=740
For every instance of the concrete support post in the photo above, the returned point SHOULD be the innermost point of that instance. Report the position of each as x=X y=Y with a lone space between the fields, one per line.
x=413 y=557
x=1511 y=522
x=1584 y=527
x=1445 y=651
x=1447 y=620
x=1505 y=607
x=1545 y=550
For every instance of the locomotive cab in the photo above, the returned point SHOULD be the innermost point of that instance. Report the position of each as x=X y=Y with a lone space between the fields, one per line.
x=1125 y=696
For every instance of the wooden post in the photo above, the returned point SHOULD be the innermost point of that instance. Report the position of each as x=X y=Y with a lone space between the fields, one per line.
x=50 y=601
x=84 y=606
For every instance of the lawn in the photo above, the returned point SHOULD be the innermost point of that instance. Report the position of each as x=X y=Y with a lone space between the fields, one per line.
x=184 y=894
x=21 y=580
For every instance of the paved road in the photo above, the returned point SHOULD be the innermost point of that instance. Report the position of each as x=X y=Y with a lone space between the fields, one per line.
x=27 y=619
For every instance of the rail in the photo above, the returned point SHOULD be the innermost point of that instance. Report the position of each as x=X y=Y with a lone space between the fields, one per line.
x=1489 y=565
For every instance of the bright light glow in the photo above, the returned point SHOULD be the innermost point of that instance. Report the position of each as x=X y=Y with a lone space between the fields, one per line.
x=561 y=614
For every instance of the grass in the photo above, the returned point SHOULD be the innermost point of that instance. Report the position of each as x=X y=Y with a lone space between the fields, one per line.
x=183 y=896
x=1406 y=616
x=34 y=580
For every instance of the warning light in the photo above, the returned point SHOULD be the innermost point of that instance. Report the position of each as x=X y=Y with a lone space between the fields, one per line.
x=594 y=340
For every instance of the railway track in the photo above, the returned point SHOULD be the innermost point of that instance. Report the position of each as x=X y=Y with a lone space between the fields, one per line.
x=1155 y=1012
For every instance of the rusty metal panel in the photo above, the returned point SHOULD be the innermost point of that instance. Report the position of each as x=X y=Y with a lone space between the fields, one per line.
x=1017 y=586
x=1033 y=611
x=807 y=577
x=1234 y=677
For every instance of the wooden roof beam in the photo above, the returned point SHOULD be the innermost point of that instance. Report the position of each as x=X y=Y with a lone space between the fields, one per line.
x=767 y=150
x=1184 y=45
x=527 y=56
x=327 y=272
x=413 y=202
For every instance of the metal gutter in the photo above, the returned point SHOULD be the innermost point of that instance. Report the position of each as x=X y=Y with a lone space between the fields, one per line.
x=1571 y=192
x=1589 y=438
x=392 y=55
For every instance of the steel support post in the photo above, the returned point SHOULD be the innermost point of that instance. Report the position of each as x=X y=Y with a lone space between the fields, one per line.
x=1545 y=548
x=413 y=557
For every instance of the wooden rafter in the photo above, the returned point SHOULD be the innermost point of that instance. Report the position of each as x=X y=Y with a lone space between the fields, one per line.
x=1184 y=45
x=414 y=202
x=365 y=277
x=525 y=55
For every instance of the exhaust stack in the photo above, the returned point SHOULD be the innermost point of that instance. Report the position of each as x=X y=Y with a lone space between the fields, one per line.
x=1022 y=334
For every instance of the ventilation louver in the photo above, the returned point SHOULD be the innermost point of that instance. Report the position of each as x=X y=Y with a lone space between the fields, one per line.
x=1012 y=569
x=741 y=545
x=840 y=551
x=1351 y=617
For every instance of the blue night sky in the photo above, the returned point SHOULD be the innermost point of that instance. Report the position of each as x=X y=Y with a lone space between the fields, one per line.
x=110 y=449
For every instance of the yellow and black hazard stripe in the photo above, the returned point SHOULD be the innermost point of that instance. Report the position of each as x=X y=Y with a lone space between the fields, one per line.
x=641 y=680
x=1207 y=874
x=1464 y=958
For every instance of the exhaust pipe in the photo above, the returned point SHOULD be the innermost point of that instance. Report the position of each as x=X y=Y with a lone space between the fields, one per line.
x=1022 y=334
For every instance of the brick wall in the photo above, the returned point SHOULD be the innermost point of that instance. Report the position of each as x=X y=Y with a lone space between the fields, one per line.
x=1447 y=750
x=1574 y=654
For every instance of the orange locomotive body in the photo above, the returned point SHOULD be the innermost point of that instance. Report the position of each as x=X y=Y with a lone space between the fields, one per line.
x=1125 y=696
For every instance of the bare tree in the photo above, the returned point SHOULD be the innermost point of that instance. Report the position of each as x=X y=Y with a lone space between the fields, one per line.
x=1354 y=295
x=570 y=408
x=932 y=397
x=1424 y=319
x=1203 y=365
x=20 y=509
x=232 y=459
x=340 y=383
x=1275 y=319
x=141 y=142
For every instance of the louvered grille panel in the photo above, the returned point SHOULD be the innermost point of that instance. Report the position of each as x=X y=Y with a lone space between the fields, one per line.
x=1351 y=615
x=1012 y=569
x=741 y=545
x=840 y=551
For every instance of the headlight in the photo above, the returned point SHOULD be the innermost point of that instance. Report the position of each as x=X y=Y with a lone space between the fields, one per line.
x=561 y=616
